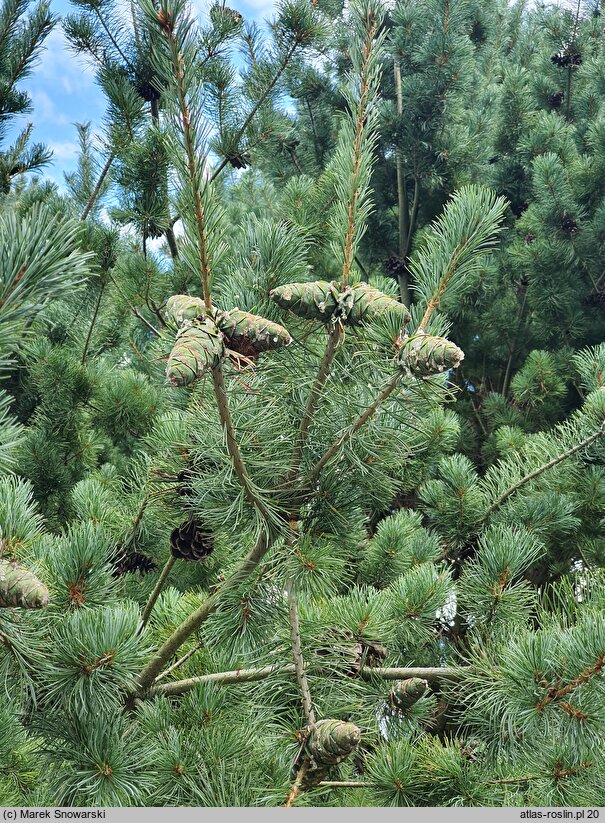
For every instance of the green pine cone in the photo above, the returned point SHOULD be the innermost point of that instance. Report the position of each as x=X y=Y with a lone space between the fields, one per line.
x=224 y=17
x=242 y=330
x=331 y=741
x=182 y=307
x=425 y=355
x=19 y=588
x=197 y=347
x=313 y=301
x=327 y=302
x=370 y=303
x=407 y=692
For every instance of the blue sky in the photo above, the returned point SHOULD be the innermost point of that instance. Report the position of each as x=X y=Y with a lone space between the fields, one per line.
x=63 y=89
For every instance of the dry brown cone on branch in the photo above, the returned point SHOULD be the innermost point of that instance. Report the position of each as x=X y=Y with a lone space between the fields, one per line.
x=131 y=562
x=190 y=541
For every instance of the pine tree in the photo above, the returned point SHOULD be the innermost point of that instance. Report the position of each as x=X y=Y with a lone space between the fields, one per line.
x=251 y=551
x=484 y=98
x=21 y=39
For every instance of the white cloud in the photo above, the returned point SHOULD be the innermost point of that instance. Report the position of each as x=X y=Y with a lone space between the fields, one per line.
x=46 y=110
x=57 y=63
x=64 y=150
x=263 y=7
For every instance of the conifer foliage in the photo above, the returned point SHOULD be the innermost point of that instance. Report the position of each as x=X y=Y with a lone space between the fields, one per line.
x=278 y=528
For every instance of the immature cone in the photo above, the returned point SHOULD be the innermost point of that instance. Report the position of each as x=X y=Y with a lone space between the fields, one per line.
x=190 y=541
x=407 y=692
x=248 y=332
x=224 y=16
x=370 y=303
x=331 y=741
x=197 y=347
x=328 y=302
x=425 y=355
x=19 y=588
x=182 y=307
x=313 y=301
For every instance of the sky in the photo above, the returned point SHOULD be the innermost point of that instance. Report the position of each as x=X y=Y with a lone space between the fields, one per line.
x=63 y=89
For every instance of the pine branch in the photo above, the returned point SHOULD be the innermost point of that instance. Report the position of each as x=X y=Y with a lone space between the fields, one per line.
x=361 y=420
x=403 y=218
x=112 y=39
x=536 y=472
x=92 y=322
x=513 y=345
x=192 y=162
x=299 y=664
x=222 y=679
x=95 y=193
x=433 y=674
x=171 y=240
x=139 y=516
x=242 y=130
x=232 y=445
x=151 y=328
x=135 y=26
x=413 y=218
x=353 y=158
x=571 y=66
x=39 y=26
x=193 y=170
x=197 y=618
x=151 y=305
x=296 y=787
x=179 y=662
x=554 y=691
x=560 y=773
x=314 y=395
x=157 y=590
x=359 y=151
x=134 y=310
x=454 y=247
x=363 y=131
x=316 y=146
x=438 y=295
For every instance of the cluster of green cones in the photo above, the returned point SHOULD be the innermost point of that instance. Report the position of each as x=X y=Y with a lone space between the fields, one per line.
x=205 y=337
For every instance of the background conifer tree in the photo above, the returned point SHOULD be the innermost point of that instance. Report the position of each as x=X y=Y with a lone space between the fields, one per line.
x=22 y=35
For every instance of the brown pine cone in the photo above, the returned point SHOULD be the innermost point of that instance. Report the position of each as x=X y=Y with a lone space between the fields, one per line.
x=190 y=541
x=596 y=299
x=394 y=266
x=131 y=562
